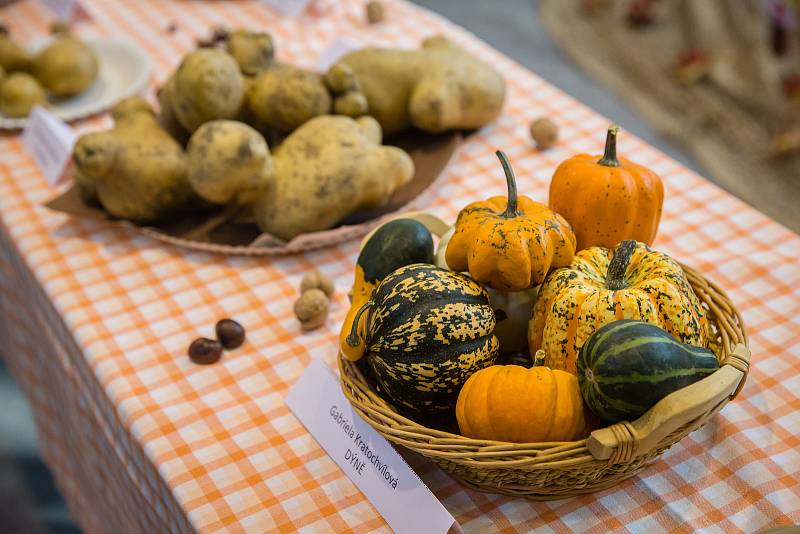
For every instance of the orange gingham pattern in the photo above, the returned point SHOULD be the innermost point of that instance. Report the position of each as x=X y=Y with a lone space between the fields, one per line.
x=98 y=319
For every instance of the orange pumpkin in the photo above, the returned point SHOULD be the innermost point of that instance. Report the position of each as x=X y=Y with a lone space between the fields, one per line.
x=609 y=200
x=519 y=405
x=509 y=243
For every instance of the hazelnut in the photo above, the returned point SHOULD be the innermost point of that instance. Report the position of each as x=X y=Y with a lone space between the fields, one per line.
x=375 y=12
x=230 y=333
x=317 y=280
x=311 y=309
x=205 y=351
x=544 y=133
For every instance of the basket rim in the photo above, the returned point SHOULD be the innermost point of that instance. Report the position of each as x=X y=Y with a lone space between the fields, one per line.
x=728 y=327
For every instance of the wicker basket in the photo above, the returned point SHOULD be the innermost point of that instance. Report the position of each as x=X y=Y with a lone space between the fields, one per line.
x=556 y=470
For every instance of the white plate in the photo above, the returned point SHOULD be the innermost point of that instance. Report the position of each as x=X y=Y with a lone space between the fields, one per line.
x=124 y=70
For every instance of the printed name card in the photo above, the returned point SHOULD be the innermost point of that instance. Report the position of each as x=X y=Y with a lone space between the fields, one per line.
x=365 y=456
x=49 y=140
x=288 y=8
x=337 y=49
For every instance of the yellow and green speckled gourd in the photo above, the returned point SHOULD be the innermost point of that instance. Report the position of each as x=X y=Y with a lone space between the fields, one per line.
x=604 y=285
x=395 y=244
x=427 y=330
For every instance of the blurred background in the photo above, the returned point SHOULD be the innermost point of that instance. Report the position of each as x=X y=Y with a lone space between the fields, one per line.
x=535 y=34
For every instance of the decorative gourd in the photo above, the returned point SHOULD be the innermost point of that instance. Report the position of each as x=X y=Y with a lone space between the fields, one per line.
x=427 y=331
x=395 y=244
x=601 y=286
x=509 y=243
x=609 y=200
x=512 y=309
x=512 y=403
x=627 y=366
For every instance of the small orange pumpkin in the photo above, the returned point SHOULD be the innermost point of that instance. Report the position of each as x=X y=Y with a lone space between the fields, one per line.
x=509 y=243
x=519 y=405
x=609 y=200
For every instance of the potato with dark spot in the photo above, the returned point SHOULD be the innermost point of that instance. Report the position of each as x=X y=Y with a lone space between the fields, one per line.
x=253 y=51
x=13 y=57
x=229 y=162
x=208 y=86
x=283 y=97
x=19 y=92
x=325 y=170
x=66 y=67
x=135 y=169
x=438 y=88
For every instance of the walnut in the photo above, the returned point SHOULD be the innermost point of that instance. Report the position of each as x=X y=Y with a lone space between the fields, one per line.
x=311 y=309
x=317 y=280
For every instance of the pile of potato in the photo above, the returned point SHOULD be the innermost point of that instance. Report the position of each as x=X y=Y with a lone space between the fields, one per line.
x=65 y=67
x=293 y=150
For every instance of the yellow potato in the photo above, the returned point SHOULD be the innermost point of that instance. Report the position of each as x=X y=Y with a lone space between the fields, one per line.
x=229 y=162
x=66 y=67
x=208 y=86
x=327 y=169
x=283 y=97
x=13 y=57
x=437 y=88
x=253 y=51
x=19 y=92
x=135 y=169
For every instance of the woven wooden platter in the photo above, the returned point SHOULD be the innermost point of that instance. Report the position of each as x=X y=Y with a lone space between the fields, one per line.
x=543 y=471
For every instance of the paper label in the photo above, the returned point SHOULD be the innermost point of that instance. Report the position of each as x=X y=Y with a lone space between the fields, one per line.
x=49 y=140
x=288 y=8
x=66 y=10
x=335 y=50
x=407 y=505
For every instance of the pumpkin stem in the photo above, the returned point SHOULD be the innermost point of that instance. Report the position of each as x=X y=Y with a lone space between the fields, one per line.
x=609 y=158
x=353 y=339
x=511 y=183
x=538 y=358
x=615 y=279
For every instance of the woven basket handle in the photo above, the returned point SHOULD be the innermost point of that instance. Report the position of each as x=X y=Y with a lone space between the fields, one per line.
x=621 y=442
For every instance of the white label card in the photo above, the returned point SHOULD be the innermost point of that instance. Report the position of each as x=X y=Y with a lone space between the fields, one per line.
x=407 y=505
x=335 y=50
x=49 y=140
x=288 y=8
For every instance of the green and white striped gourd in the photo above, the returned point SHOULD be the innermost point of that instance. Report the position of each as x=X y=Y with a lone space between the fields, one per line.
x=627 y=366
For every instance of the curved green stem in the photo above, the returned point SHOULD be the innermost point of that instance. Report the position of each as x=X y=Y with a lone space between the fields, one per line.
x=353 y=339
x=609 y=158
x=615 y=278
x=511 y=184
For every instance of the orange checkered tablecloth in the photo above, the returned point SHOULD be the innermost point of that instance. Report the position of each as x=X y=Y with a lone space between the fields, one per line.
x=98 y=318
